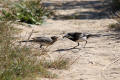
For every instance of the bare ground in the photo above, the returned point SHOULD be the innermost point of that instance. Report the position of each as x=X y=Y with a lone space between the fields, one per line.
x=95 y=62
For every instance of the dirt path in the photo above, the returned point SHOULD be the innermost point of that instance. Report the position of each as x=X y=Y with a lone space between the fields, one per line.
x=99 y=52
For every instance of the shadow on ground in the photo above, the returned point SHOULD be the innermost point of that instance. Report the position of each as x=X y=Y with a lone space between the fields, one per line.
x=100 y=10
x=59 y=50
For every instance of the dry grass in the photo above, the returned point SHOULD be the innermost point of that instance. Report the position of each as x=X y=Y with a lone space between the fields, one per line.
x=115 y=15
x=59 y=63
x=114 y=27
x=16 y=62
x=21 y=62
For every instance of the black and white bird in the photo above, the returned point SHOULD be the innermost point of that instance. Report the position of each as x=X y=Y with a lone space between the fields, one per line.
x=43 y=41
x=78 y=37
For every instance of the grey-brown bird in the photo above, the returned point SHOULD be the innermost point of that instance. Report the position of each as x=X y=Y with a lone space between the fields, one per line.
x=78 y=37
x=43 y=41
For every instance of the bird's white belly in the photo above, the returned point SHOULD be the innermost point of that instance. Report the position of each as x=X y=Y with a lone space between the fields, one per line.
x=82 y=39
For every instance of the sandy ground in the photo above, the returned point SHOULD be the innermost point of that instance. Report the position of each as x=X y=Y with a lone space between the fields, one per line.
x=95 y=62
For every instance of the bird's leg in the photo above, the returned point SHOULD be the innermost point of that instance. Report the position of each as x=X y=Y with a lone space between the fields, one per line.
x=85 y=44
x=77 y=45
x=40 y=46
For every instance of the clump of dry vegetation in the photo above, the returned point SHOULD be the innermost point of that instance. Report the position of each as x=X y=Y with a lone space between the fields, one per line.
x=59 y=63
x=17 y=62
x=115 y=27
x=116 y=15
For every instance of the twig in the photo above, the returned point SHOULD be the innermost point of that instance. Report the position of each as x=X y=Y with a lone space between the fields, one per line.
x=30 y=34
x=60 y=58
x=106 y=67
x=75 y=60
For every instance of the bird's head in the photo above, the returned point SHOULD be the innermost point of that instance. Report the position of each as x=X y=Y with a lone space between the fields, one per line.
x=91 y=35
x=54 y=38
x=72 y=35
x=88 y=35
x=67 y=36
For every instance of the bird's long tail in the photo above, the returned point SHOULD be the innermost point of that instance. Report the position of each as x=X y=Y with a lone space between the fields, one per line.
x=27 y=41
x=94 y=35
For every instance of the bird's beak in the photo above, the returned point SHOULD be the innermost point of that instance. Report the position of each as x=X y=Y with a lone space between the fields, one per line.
x=67 y=36
x=64 y=36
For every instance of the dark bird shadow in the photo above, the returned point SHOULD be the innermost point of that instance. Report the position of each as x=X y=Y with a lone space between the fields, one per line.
x=58 y=50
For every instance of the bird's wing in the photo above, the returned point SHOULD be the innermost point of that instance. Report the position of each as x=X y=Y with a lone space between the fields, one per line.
x=42 y=39
x=82 y=35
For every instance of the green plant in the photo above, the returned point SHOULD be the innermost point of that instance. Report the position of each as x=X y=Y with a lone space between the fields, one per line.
x=31 y=12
